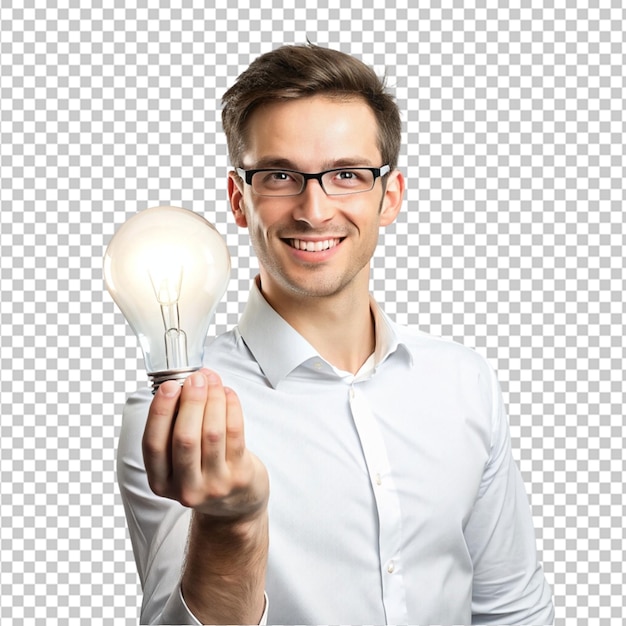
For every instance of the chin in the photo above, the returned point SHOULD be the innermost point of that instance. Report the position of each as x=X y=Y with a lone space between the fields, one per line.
x=316 y=288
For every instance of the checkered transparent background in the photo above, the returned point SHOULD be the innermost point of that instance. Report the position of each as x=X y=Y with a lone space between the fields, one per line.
x=512 y=242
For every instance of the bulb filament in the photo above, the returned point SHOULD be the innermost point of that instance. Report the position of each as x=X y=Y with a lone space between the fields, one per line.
x=167 y=291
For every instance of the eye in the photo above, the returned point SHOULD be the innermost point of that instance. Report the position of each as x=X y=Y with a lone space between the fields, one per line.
x=348 y=178
x=346 y=174
x=277 y=177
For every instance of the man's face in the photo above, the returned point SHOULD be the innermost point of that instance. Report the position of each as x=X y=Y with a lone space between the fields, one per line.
x=314 y=245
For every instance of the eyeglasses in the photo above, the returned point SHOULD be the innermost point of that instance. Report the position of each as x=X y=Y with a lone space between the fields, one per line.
x=340 y=181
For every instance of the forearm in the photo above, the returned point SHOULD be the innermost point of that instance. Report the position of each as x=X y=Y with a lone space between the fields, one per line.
x=224 y=574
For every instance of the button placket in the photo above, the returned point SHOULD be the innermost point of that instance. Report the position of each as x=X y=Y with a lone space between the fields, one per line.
x=387 y=506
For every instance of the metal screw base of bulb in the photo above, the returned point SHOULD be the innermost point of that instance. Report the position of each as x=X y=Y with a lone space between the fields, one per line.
x=179 y=375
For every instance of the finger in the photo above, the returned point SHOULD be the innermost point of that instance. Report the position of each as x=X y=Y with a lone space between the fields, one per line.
x=186 y=436
x=235 y=439
x=156 y=441
x=214 y=427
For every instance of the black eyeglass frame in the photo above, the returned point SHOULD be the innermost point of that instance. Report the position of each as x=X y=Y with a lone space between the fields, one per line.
x=378 y=172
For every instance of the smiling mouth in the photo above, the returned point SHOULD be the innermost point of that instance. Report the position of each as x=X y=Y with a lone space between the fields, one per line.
x=314 y=246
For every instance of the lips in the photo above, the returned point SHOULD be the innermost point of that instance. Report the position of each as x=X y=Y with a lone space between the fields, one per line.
x=314 y=246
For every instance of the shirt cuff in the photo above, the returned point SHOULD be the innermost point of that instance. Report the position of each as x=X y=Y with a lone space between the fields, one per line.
x=263 y=621
x=177 y=612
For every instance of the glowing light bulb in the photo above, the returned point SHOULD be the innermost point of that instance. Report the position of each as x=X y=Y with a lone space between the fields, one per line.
x=167 y=268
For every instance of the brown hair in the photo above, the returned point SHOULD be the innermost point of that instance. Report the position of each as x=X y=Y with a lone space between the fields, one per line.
x=299 y=71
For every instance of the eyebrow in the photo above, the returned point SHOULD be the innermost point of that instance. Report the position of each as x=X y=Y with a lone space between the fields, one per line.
x=282 y=163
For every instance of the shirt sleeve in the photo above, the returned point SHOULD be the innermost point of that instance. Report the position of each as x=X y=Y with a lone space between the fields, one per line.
x=509 y=584
x=158 y=527
x=177 y=612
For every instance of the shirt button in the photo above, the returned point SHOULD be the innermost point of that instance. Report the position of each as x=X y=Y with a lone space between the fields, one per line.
x=352 y=393
x=378 y=480
x=391 y=567
x=317 y=365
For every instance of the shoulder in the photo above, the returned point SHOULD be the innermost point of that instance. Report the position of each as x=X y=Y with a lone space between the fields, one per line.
x=449 y=368
x=439 y=351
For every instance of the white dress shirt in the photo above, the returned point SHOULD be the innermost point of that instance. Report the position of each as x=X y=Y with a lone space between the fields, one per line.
x=394 y=498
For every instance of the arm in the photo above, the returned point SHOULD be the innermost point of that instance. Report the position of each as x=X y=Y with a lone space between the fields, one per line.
x=194 y=452
x=229 y=587
x=509 y=584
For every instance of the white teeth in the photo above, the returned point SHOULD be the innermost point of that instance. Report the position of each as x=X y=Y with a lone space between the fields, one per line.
x=314 y=246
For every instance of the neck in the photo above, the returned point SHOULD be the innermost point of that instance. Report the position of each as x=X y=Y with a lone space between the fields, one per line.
x=340 y=327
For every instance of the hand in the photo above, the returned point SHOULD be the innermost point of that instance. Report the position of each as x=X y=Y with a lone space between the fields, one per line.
x=194 y=450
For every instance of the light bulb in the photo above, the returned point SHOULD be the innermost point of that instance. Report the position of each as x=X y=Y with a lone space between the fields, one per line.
x=167 y=268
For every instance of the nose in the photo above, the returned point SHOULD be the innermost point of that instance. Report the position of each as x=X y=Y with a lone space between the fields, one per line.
x=313 y=206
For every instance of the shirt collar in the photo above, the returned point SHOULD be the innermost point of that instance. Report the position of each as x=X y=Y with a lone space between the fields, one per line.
x=278 y=348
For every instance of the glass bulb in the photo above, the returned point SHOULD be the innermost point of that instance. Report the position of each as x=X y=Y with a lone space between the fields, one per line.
x=167 y=268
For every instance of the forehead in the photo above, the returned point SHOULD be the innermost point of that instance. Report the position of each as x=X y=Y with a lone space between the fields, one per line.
x=312 y=132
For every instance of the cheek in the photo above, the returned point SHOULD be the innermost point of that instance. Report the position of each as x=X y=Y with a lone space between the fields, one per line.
x=264 y=218
x=258 y=227
x=367 y=221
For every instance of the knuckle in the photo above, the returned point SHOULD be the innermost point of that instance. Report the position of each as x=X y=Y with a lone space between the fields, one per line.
x=234 y=430
x=184 y=442
x=212 y=494
x=158 y=487
x=212 y=436
x=151 y=447
x=240 y=483
x=188 y=499
x=217 y=492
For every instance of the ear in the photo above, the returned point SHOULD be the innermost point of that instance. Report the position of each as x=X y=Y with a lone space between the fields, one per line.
x=235 y=195
x=393 y=198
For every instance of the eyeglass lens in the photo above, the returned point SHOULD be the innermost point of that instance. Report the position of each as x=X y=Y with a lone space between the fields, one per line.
x=334 y=182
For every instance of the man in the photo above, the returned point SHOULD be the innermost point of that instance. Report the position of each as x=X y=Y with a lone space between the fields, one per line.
x=375 y=482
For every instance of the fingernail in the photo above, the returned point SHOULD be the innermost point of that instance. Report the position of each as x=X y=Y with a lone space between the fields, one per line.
x=169 y=388
x=198 y=380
